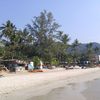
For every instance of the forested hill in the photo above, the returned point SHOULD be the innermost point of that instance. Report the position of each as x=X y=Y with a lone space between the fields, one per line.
x=82 y=48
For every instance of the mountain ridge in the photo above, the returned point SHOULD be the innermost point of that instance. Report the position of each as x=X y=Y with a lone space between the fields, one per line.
x=82 y=47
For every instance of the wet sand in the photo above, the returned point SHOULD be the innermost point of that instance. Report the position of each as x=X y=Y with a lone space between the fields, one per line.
x=70 y=92
x=80 y=91
x=92 y=92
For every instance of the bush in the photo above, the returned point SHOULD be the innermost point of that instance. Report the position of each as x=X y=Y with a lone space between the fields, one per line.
x=36 y=61
x=54 y=62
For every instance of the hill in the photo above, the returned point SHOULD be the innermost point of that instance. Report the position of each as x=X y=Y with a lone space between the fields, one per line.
x=82 y=48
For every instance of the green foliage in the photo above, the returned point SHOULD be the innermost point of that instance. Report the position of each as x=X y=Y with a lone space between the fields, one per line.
x=96 y=50
x=90 y=53
x=69 y=59
x=36 y=61
x=54 y=62
x=45 y=34
x=42 y=38
x=8 y=31
x=75 y=54
x=1 y=51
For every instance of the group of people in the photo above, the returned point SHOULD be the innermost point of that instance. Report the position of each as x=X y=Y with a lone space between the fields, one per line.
x=31 y=66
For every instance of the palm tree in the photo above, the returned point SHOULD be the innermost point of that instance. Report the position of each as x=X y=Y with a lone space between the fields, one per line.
x=90 y=53
x=89 y=47
x=7 y=31
x=96 y=49
x=8 y=34
x=24 y=37
x=75 y=44
x=75 y=54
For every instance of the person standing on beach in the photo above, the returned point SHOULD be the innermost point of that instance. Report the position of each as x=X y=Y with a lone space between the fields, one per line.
x=30 y=66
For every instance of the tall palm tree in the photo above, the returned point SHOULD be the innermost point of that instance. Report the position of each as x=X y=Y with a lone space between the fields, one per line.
x=75 y=44
x=7 y=31
x=8 y=34
x=65 y=39
x=75 y=54
x=90 y=53
x=90 y=47
x=96 y=49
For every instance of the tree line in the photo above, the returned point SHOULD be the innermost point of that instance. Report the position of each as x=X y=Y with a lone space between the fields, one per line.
x=42 y=39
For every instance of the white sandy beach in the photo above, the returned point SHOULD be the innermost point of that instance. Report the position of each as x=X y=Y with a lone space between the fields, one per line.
x=25 y=86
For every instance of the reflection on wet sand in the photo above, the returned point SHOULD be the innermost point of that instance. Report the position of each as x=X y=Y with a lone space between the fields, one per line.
x=93 y=90
x=71 y=92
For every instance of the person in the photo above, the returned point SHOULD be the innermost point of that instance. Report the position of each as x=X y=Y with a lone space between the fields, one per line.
x=41 y=65
x=30 y=67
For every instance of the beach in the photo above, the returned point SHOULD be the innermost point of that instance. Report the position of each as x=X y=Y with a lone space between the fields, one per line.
x=46 y=85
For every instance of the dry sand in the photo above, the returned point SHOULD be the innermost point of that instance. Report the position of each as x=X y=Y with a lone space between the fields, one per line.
x=25 y=86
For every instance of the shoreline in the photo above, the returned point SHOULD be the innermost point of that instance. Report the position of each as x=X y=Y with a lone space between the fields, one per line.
x=24 y=87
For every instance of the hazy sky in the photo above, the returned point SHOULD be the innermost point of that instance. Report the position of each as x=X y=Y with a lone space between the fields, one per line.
x=79 y=18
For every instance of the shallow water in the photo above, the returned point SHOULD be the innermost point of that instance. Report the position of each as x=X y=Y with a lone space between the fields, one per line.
x=81 y=91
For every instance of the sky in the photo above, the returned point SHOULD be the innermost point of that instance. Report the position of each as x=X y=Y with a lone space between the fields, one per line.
x=78 y=18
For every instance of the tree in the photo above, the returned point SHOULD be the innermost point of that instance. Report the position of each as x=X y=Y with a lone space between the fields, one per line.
x=24 y=44
x=61 y=46
x=42 y=38
x=24 y=37
x=44 y=30
x=16 y=41
x=90 y=53
x=96 y=50
x=65 y=39
x=7 y=32
x=75 y=53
